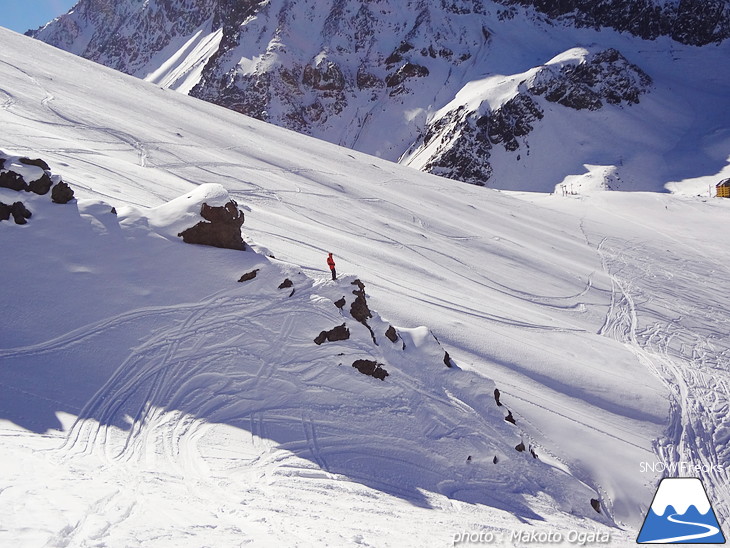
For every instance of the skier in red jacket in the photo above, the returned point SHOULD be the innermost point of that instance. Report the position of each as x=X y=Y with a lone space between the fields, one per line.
x=331 y=264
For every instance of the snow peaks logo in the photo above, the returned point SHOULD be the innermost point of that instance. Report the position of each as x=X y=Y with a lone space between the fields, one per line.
x=681 y=513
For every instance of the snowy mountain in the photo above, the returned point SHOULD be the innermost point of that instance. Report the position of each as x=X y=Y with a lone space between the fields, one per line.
x=158 y=393
x=388 y=78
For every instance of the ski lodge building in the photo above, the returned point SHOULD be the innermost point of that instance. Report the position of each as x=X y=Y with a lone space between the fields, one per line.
x=723 y=188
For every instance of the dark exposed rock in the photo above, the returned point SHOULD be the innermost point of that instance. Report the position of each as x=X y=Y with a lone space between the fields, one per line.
x=359 y=308
x=397 y=55
x=513 y=119
x=13 y=181
x=5 y=212
x=532 y=452
x=464 y=150
x=409 y=70
x=391 y=334
x=18 y=211
x=326 y=76
x=286 y=283
x=495 y=460
x=35 y=162
x=339 y=333
x=369 y=367
x=596 y=504
x=41 y=186
x=520 y=447
x=687 y=21
x=497 y=394
x=447 y=360
x=603 y=76
x=249 y=275
x=367 y=80
x=341 y=303
x=510 y=418
x=61 y=193
x=222 y=230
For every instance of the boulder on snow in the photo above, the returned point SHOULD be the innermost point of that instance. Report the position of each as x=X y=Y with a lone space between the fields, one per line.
x=223 y=228
x=391 y=334
x=369 y=367
x=19 y=178
x=359 y=308
x=18 y=211
x=497 y=395
x=341 y=303
x=286 y=284
x=339 y=333
x=12 y=180
x=596 y=504
x=510 y=418
x=35 y=162
x=249 y=275
x=42 y=186
x=62 y=193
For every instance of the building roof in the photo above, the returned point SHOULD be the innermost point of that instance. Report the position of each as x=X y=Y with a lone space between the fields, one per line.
x=724 y=182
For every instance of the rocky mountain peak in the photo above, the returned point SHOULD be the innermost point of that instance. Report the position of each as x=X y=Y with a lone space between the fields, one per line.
x=385 y=77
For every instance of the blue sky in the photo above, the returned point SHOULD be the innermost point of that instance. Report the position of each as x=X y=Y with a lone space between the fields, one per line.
x=21 y=15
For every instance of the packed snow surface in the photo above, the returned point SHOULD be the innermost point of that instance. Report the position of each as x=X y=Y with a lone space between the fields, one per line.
x=149 y=398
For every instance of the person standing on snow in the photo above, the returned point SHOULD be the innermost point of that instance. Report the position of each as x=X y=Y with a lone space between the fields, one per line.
x=331 y=264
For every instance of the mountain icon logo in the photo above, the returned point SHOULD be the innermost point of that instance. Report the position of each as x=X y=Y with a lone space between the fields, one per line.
x=681 y=513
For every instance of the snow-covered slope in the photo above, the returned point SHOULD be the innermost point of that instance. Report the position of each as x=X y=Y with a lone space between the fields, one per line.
x=389 y=78
x=149 y=398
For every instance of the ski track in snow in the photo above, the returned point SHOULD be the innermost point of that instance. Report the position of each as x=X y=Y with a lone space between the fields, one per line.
x=692 y=361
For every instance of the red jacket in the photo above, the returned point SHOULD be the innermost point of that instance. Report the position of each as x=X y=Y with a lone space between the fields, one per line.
x=331 y=262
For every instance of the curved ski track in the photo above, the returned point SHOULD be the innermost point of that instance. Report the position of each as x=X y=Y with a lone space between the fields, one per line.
x=671 y=337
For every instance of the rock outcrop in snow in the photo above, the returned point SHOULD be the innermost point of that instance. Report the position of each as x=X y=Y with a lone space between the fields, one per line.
x=221 y=227
x=207 y=216
x=22 y=174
